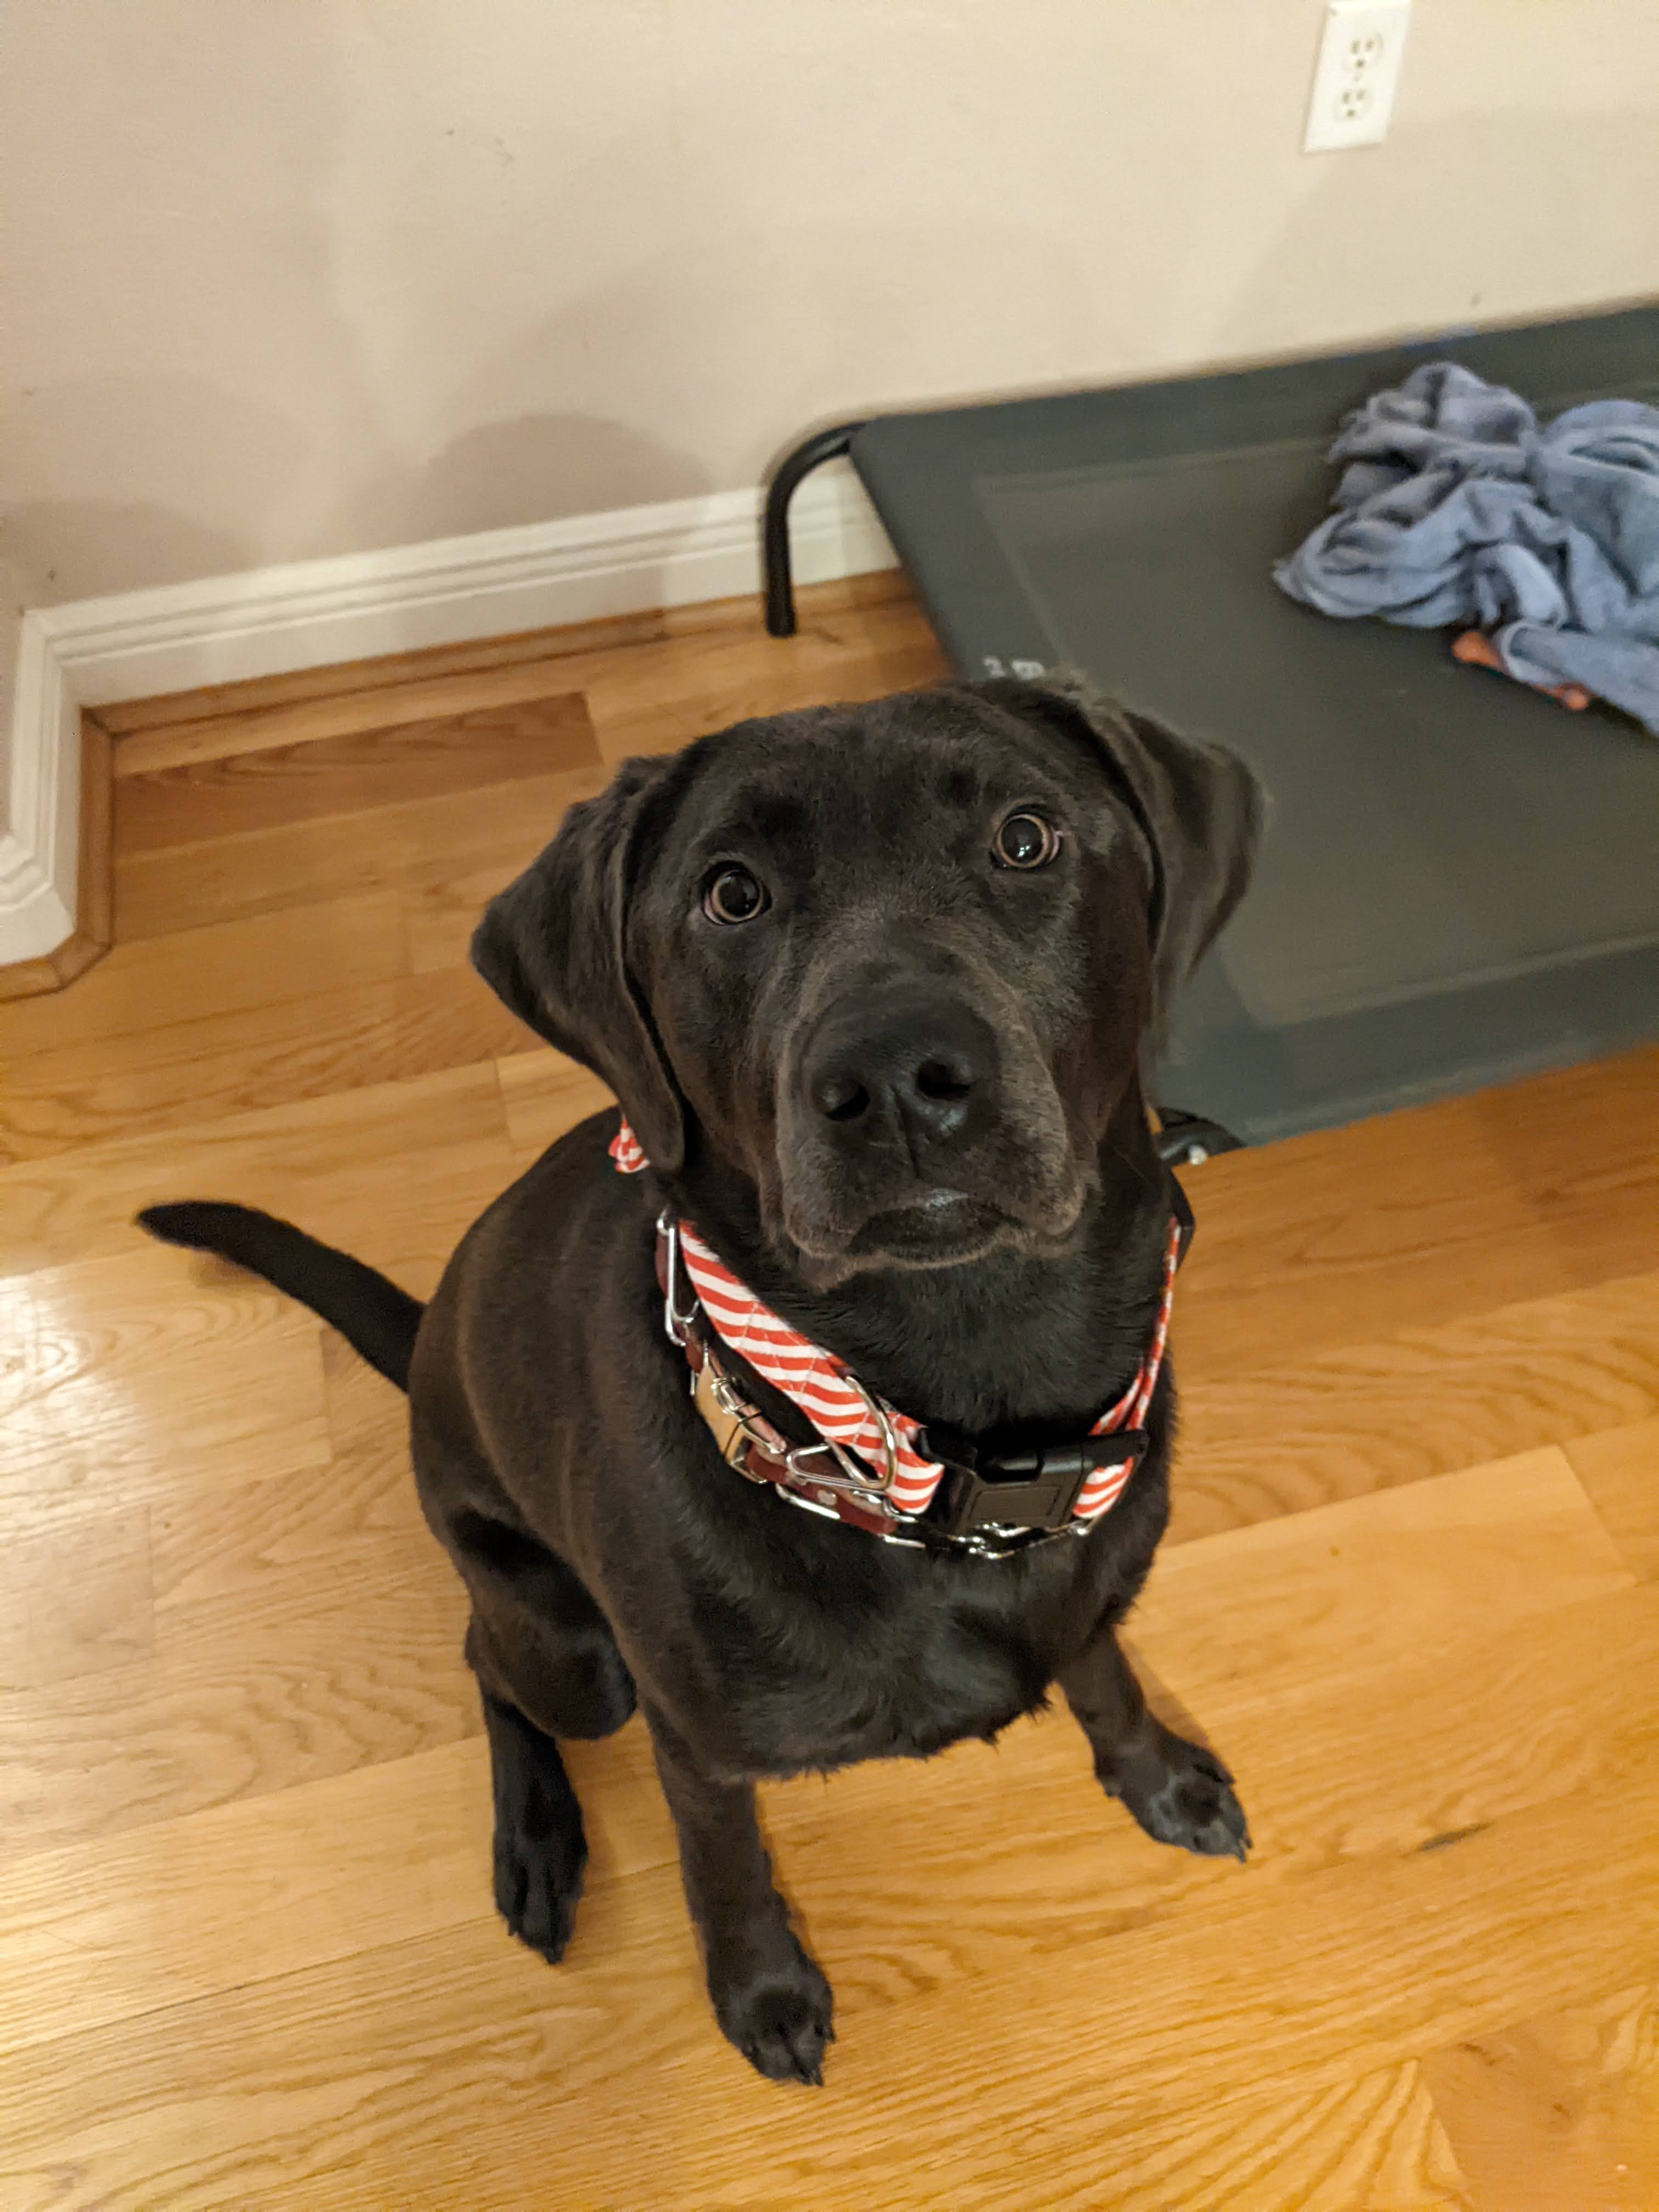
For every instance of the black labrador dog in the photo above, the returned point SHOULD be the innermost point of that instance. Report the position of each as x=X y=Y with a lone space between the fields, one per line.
x=873 y=985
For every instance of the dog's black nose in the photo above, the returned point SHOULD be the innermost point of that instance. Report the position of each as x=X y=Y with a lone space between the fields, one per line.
x=921 y=1064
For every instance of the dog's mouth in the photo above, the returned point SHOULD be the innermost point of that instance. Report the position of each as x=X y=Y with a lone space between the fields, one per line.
x=940 y=1227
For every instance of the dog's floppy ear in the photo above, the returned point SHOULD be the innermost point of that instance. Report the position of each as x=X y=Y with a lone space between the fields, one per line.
x=1200 y=808
x=551 y=946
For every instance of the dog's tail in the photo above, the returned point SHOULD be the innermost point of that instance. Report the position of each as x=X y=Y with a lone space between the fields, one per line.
x=374 y=1315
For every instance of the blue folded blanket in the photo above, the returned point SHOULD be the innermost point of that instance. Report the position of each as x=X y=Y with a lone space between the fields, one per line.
x=1457 y=508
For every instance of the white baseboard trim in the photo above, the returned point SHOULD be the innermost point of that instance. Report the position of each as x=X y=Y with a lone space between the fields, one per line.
x=309 y=614
x=40 y=835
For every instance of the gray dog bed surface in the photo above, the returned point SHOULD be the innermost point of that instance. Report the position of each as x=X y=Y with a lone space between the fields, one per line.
x=1461 y=883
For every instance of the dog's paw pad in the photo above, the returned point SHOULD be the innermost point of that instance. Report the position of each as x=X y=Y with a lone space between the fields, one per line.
x=1186 y=1798
x=538 y=1883
x=782 y=2024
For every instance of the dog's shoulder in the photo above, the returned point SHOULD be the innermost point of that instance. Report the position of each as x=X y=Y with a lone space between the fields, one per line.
x=569 y=1203
x=564 y=1252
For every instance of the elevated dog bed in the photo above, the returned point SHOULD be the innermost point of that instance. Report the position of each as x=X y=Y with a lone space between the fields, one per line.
x=1461 y=884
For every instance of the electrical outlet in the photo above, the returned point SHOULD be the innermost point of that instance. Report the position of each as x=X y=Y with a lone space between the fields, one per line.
x=1359 y=58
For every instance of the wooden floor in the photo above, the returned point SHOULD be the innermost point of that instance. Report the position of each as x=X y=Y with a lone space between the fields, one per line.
x=248 y=1955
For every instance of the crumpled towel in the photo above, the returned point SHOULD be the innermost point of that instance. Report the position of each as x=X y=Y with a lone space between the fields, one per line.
x=1456 y=508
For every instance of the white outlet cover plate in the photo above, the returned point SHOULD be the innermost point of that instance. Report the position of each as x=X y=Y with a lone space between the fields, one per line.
x=1358 y=71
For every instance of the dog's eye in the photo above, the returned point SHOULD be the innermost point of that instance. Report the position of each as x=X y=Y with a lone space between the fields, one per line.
x=1026 y=840
x=732 y=895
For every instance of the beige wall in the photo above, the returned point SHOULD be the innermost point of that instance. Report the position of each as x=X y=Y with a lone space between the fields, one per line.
x=297 y=277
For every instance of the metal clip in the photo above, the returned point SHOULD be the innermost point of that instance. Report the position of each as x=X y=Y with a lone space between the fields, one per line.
x=854 y=1478
x=877 y=1413
x=676 y=1318
x=750 y=1426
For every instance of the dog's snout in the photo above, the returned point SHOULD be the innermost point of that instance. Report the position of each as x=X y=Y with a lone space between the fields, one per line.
x=905 y=1060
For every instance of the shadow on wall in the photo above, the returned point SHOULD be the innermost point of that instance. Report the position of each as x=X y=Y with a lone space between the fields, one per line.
x=1510 y=188
x=82 y=548
x=668 y=329
x=236 y=457
x=737 y=337
x=534 y=468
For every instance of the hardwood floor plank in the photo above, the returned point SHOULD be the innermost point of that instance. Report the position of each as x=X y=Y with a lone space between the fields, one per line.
x=94 y=929
x=274 y=1882
x=545 y=1095
x=1427 y=1216
x=190 y=1070
x=317 y=2087
x=395 y=1171
x=215 y=2096
x=1561 y=2113
x=1372 y=2142
x=228 y=967
x=441 y=913
x=1402 y=1764
x=411 y=843
x=493 y=661
x=1422 y=1403
x=512 y=693
x=288 y=1679
x=1351 y=1747
x=1400 y=1758
x=1384 y=1573
x=1335 y=1762
x=356 y=1518
x=76 y=1598
x=859 y=655
x=1369 y=1955
x=120 y=1371
x=350 y=773
x=467 y=2012
x=1416 y=1757
x=222 y=721
x=368 y=1424
x=1582 y=1143
x=443 y=907
x=1620 y=1469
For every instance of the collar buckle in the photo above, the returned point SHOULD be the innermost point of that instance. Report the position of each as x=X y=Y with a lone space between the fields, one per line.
x=805 y=1462
x=1021 y=1490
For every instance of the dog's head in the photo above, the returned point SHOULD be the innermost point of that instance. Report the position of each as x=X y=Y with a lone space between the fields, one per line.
x=892 y=965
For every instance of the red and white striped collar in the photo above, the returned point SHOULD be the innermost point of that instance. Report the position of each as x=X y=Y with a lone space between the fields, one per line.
x=875 y=1469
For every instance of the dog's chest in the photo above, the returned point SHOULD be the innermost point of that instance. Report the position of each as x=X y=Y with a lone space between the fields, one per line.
x=902 y=1684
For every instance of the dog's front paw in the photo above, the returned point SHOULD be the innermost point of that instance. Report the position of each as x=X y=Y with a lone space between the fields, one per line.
x=1181 y=1794
x=778 y=2014
x=538 y=1879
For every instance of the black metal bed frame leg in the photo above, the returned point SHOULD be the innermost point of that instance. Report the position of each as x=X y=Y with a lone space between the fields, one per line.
x=800 y=461
x=1189 y=1139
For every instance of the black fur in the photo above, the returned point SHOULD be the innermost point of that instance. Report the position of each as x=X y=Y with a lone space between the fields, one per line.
x=375 y=1316
x=992 y=1264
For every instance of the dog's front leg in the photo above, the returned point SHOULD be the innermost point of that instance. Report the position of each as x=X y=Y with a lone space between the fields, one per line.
x=1179 y=1792
x=768 y=1995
